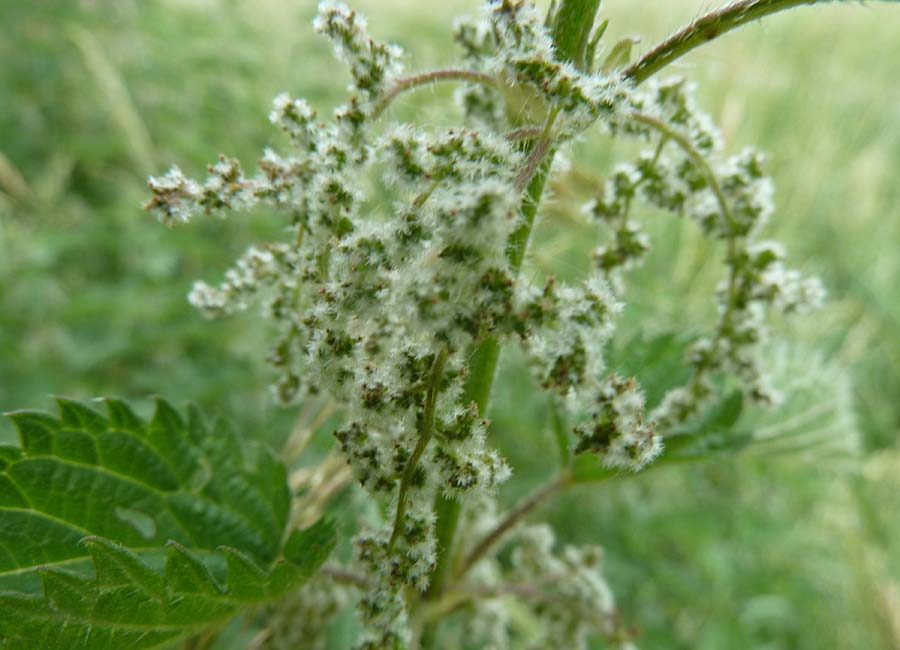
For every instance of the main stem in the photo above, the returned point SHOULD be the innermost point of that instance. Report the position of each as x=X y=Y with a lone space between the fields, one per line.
x=571 y=33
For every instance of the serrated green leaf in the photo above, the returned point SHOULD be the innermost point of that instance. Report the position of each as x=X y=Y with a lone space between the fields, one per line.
x=36 y=431
x=309 y=548
x=122 y=417
x=107 y=526
x=246 y=581
x=65 y=591
x=816 y=413
x=79 y=417
x=9 y=454
x=117 y=566
x=187 y=574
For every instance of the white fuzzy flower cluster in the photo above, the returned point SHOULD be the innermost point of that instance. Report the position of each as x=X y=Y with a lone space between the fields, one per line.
x=177 y=198
x=574 y=598
x=253 y=269
x=510 y=41
x=616 y=429
x=627 y=244
x=564 y=331
x=380 y=309
x=389 y=338
x=525 y=57
x=731 y=199
x=372 y=64
x=400 y=263
x=565 y=592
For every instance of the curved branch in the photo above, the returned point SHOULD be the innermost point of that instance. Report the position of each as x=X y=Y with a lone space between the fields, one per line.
x=696 y=157
x=344 y=576
x=514 y=516
x=423 y=78
x=524 y=133
x=705 y=29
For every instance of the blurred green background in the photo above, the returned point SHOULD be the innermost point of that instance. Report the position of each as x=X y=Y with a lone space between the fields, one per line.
x=775 y=548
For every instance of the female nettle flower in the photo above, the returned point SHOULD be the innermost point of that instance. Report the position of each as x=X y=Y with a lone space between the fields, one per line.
x=379 y=303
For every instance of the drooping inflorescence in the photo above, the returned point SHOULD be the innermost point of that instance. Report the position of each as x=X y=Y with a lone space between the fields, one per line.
x=398 y=265
x=730 y=198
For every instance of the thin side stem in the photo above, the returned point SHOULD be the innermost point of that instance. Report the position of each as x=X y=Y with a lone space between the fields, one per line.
x=513 y=517
x=524 y=133
x=540 y=149
x=409 y=472
x=462 y=595
x=408 y=83
x=537 y=592
x=345 y=576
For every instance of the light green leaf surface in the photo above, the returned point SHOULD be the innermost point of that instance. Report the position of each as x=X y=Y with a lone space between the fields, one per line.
x=713 y=431
x=815 y=417
x=656 y=360
x=118 y=533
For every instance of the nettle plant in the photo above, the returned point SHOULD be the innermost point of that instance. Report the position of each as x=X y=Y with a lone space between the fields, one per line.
x=119 y=532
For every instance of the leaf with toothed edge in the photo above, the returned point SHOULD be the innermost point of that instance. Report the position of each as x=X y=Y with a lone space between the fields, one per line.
x=120 y=533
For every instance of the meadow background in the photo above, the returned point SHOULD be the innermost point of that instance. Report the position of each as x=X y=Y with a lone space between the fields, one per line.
x=792 y=545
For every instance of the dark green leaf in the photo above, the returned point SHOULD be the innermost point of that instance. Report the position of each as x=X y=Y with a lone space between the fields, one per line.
x=107 y=525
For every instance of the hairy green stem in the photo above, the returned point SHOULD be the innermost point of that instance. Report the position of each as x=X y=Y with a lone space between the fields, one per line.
x=482 y=368
x=574 y=20
x=706 y=28
x=462 y=595
x=572 y=27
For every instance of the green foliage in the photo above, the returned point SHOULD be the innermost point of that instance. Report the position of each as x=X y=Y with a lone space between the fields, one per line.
x=120 y=495
x=711 y=432
x=816 y=419
x=815 y=416
x=656 y=360
x=704 y=556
